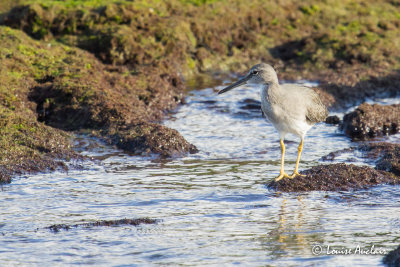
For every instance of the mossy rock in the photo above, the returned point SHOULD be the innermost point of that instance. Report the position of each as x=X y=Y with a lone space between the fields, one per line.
x=325 y=35
x=49 y=86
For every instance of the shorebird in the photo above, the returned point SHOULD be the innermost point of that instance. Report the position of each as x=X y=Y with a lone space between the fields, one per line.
x=291 y=108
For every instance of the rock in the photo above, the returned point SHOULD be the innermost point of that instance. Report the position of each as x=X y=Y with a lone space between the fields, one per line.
x=135 y=222
x=335 y=177
x=345 y=88
x=332 y=120
x=392 y=259
x=38 y=107
x=387 y=155
x=5 y=175
x=152 y=138
x=331 y=156
x=369 y=121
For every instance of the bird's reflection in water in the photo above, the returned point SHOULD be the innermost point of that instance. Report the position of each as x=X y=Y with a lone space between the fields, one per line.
x=298 y=228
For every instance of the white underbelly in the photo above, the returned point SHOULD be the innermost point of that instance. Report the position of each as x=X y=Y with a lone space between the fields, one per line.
x=282 y=118
x=285 y=122
x=286 y=125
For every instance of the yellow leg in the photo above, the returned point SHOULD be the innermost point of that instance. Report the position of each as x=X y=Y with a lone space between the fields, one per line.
x=296 y=169
x=282 y=173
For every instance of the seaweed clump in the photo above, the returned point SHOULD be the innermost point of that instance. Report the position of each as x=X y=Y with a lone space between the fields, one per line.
x=369 y=121
x=109 y=223
x=335 y=177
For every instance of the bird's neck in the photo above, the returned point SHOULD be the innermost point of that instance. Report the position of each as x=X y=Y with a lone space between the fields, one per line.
x=271 y=87
x=267 y=89
x=270 y=92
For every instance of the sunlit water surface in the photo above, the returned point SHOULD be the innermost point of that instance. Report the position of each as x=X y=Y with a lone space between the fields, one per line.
x=213 y=207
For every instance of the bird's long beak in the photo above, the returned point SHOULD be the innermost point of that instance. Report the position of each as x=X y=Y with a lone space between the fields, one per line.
x=234 y=85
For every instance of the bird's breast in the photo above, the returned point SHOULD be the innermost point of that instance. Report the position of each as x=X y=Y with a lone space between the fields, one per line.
x=266 y=102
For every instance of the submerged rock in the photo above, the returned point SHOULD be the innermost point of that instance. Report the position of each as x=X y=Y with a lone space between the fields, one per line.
x=332 y=155
x=387 y=155
x=335 y=177
x=372 y=120
x=332 y=120
x=392 y=259
x=135 y=222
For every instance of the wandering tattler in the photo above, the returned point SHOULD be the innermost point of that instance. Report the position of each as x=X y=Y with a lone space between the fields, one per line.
x=291 y=108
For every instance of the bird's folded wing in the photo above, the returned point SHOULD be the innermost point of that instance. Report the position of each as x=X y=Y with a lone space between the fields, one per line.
x=316 y=110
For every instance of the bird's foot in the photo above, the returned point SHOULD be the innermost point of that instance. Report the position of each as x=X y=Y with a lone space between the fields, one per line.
x=296 y=173
x=282 y=175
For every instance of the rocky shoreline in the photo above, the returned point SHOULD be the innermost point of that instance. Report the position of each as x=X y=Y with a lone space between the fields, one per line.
x=114 y=70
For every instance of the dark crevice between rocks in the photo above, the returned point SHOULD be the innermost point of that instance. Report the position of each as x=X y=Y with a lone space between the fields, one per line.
x=335 y=177
x=291 y=51
x=109 y=223
x=58 y=108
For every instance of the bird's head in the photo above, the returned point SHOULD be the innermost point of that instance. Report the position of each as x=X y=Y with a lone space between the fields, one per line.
x=258 y=74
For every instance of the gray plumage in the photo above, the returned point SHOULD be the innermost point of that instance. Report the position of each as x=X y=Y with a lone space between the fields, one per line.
x=316 y=110
x=291 y=108
x=299 y=97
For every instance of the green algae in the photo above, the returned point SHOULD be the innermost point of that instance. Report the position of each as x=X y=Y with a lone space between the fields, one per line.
x=144 y=32
x=49 y=84
x=25 y=144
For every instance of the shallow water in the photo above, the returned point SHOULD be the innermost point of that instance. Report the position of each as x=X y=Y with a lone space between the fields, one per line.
x=213 y=207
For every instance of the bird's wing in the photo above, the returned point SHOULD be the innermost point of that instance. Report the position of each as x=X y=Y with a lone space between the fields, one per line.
x=315 y=110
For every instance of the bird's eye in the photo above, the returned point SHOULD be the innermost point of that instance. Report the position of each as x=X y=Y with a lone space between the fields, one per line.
x=254 y=72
